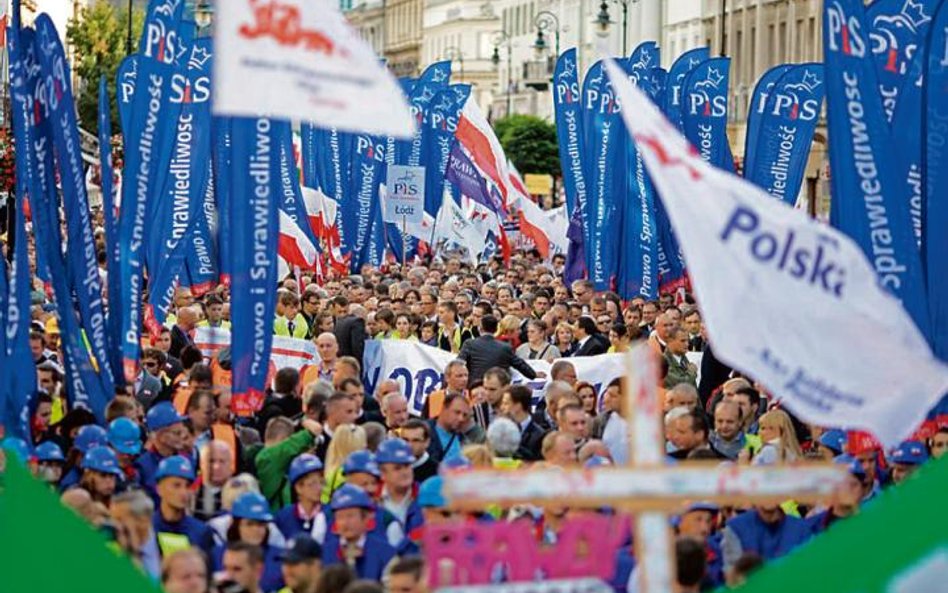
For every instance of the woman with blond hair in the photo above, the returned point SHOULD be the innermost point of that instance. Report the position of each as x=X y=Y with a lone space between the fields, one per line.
x=563 y=338
x=346 y=440
x=780 y=444
x=508 y=330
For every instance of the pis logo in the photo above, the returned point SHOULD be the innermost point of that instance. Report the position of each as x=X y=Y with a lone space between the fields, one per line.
x=708 y=99
x=788 y=99
x=895 y=35
x=844 y=32
x=406 y=186
x=567 y=85
x=369 y=149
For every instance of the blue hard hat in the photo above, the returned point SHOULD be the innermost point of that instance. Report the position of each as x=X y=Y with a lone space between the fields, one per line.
x=125 y=436
x=429 y=493
x=101 y=459
x=302 y=466
x=852 y=464
x=162 y=415
x=351 y=497
x=394 y=451
x=909 y=453
x=597 y=461
x=361 y=462
x=702 y=505
x=17 y=446
x=834 y=440
x=176 y=466
x=251 y=505
x=90 y=436
x=453 y=463
x=49 y=451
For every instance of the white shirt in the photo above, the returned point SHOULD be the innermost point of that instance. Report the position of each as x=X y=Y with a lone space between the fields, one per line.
x=616 y=437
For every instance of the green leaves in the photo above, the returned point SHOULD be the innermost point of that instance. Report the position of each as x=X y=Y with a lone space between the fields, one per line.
x=530 y=143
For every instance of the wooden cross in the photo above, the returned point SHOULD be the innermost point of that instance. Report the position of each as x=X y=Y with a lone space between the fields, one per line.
x=648 y=487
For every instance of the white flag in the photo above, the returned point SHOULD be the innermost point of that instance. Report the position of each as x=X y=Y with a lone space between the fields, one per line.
x=299 y=59
x=790 y=301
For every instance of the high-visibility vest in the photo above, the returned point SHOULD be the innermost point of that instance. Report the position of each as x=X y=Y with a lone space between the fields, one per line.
x=169 y=543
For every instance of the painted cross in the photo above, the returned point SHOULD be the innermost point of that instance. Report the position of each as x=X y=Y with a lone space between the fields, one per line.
x=648 y=487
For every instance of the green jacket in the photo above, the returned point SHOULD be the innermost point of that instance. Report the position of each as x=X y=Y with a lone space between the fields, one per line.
x=272 y=463
x=679 y=373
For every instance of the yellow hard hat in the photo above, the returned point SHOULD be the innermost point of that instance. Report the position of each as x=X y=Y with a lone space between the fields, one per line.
x=52 y=325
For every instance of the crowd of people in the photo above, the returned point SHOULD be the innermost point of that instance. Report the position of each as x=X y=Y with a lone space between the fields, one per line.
x=328 y=488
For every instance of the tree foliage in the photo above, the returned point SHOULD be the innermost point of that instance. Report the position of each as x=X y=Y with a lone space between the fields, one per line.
x=98 y=40
x=530 y=143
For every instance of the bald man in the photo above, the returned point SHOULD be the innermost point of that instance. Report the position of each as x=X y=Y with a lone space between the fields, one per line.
x=328 y=349
x=183 y=330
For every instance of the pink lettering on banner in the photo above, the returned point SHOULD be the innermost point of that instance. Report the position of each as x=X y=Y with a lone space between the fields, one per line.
x=475 y=554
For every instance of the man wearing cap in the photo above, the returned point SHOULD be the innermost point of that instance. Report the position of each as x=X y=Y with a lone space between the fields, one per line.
x=831 y=444
x=305 y=513
x=361 y=469
x=87 y=437
x=698 y=523
x=49 y=463
x=866 y=449
x=302 y=564
x=398 y=493
x=125 y=438
x=432 y=503
x=906 y=459
x=100 y=473
x=175 y=528
x=350 y=541
x=846 y=499
x=167 y=437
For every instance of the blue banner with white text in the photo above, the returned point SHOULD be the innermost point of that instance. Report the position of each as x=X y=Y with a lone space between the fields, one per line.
x=786 y=130
x=865 y=183
x=935 y=180
x=680 y=69
x=255 y=194
x=704 y=111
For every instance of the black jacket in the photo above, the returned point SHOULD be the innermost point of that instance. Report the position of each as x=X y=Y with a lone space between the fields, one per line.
x=350 y=333
x=485 y=352
x=593 y=346
x=531 y=440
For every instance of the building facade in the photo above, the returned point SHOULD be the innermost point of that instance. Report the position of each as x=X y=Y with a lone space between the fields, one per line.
x=402 y=36
x=461 y=31
x=368 y=18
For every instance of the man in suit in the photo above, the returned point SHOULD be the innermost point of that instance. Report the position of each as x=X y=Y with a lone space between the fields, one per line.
x=350 y=332
x=680 y=369
x=691 y=321
x=485 y=352
x=589 y=340
x=182 y=330
x=516 y=406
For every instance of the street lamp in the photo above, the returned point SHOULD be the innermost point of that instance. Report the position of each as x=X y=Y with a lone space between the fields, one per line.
x=546 y=21
x=603 y=21
x=452 y=53
x=502 y=38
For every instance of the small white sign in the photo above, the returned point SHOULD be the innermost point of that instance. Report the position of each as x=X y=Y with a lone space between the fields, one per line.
x=405 y=195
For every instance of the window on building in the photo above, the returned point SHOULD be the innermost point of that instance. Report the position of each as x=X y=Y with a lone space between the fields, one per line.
x=801 y=41
x=811 y=38
x=782 y=44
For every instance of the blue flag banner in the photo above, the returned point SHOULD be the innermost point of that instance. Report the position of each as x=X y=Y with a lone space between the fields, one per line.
x=437 y=73
x=604 y=133
x=360 y=202
x=151 y=129
x=685 y=63
x=125 y=80
x=440 y=141
x=291 y=194
x=704 y=111
x=935 y=180
x=182 y=199
x=898 y=30
x=786 y=131
x=36 y=169
x=755 y=115
x=201 y=262
x=865 y=182
x=221 y=158
x=113 y=288
x=82 y=262
x=255 y=190
x=308 y=148
x=568 y=108
x=16 y=386
x=638 y=250
x=658 y=80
